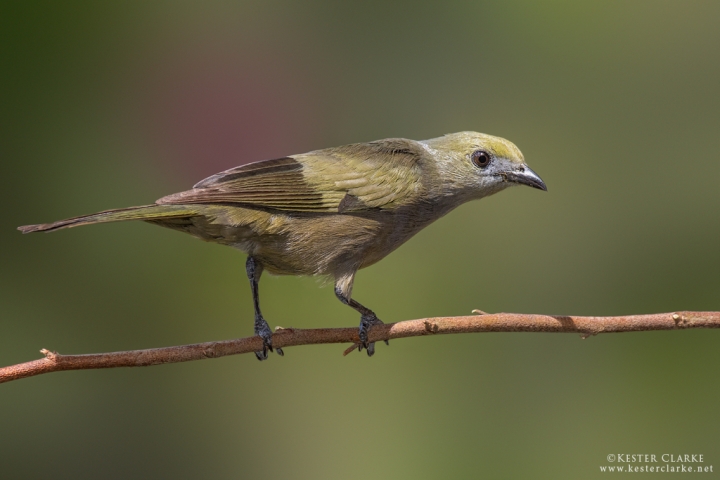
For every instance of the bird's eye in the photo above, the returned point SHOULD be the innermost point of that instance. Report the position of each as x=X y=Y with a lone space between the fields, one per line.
x=481 y=158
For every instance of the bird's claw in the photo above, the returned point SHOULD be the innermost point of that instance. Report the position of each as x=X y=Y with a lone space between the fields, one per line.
x=262 y=329
x=366 y=322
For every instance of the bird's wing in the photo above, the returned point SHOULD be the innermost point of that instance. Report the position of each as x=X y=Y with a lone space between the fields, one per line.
x=382 y=174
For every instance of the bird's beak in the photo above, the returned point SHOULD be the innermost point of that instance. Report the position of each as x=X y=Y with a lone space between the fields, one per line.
x=525 y=176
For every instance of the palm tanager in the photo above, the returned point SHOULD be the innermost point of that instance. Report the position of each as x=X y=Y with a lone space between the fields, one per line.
x=334 y=211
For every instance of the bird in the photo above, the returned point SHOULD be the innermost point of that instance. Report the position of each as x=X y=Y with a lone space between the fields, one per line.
x=333 y=211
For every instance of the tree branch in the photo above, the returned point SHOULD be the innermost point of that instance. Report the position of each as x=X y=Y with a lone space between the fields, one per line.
x=288 y=337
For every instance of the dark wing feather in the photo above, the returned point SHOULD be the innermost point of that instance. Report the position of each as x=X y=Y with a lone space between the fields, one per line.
x=265 y=168
x=355 y=177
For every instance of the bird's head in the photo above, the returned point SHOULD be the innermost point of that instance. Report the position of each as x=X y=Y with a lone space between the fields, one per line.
x=475 y=165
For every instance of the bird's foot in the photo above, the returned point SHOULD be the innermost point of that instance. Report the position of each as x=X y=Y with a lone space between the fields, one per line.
x=262 y=329
x=366 y=322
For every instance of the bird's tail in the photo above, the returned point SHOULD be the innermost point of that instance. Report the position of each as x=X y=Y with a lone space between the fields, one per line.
x=147 y=212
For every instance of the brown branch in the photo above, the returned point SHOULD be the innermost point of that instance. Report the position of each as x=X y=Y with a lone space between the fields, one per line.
x=288 y=337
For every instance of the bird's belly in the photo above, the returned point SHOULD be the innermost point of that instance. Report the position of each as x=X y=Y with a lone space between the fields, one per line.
x=308 y=243
x=328 y=244
x=322 y=244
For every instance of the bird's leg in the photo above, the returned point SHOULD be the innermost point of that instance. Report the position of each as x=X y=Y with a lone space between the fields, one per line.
x=343 y=290
x=262 y=329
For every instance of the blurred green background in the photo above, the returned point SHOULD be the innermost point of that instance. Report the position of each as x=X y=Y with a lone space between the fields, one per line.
x=111 y=104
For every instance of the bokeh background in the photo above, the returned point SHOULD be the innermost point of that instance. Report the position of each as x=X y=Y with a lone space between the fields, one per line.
x=111 y=104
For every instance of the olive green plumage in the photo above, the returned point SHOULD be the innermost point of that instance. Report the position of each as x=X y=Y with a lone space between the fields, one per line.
x=333 y=211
